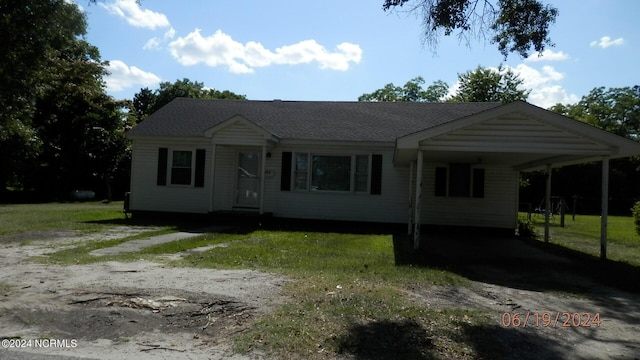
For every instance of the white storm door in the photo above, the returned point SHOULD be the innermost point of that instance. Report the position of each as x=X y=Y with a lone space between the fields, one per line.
x=248 y=180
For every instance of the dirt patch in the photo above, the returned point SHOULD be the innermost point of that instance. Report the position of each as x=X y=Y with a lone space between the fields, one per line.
x=120 y=310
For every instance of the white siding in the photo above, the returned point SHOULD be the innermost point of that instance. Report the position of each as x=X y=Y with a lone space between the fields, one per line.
x=515 y=133
x=238 y=134
x=146 y=195
x=497 y=209
x=390 y=206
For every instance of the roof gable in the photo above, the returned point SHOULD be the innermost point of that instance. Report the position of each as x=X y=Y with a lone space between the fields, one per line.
x=239 y=131
x=532 y=135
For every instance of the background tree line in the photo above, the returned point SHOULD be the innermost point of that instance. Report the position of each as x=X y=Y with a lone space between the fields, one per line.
x=60 y=130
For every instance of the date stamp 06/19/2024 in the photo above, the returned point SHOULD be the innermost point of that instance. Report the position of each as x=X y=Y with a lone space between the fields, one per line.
x=550 y=319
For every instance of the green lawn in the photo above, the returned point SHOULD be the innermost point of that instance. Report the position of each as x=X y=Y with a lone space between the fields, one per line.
x=346 y=294
x=340 y=282
x=57 y=216
x=583 y=234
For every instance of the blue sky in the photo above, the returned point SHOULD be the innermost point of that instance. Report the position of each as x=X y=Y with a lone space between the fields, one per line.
x=338 y=50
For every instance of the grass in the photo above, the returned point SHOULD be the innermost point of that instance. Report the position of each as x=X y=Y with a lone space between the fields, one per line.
x=345 y=285
x=57 y=216
x=583 y=234
x=346 y=296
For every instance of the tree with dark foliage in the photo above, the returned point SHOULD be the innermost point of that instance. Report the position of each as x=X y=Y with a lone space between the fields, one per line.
x=514 y=25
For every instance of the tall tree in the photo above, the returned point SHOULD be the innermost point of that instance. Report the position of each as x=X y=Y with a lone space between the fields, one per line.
x=616 y=110
x=30 y=31
x=58 y=128
x=411 y=91
x=489 y=85
x=81 y=127
x=146 y=102
x=514 y=25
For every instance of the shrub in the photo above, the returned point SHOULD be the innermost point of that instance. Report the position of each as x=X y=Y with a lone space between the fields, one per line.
x=526 y=230
x=635 y=210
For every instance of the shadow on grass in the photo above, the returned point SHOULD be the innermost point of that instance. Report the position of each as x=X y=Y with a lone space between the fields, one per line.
x=193 y=223
x=516 y=263
x=387 y=340
x=409 y=340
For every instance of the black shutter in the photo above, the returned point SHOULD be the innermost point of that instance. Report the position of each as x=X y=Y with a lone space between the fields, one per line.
x=200 y=161
x=163 y=155
x=478 y=183
x=441 y=181
x=376 y=174
x=285 y=175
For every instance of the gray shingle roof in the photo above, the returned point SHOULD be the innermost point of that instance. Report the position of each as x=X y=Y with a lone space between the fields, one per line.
x=307 y=120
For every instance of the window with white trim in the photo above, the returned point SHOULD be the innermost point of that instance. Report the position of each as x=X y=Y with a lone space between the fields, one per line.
x=459 y=180
x=343 y=173
x=181 y=165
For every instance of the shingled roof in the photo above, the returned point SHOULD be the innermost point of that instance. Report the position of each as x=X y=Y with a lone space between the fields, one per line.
x=306 y=120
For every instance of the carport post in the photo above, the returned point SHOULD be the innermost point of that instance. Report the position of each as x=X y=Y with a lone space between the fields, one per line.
x=418 y=202
x=410 y=222
x=263 y=170
x=605 y=208
x=547 y=205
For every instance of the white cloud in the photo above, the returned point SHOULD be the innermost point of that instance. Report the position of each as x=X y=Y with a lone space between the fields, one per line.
x=155 y=43
x=547 y=55
x=123 y=76
x=152 y=44
x=170 y=34
x=606 y=41
x=136 y=16
x=220 y=49
x=545 y=90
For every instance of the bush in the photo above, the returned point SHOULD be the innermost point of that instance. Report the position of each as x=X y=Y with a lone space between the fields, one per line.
x=526 y=230
x=635 y=210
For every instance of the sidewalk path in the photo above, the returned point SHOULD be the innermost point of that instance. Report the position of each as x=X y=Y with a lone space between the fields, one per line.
x=136 y=245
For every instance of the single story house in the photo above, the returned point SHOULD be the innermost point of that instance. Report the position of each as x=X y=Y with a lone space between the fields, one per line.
x=452 y=164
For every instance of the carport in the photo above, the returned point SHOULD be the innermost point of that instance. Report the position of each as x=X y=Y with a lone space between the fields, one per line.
x=518 y=135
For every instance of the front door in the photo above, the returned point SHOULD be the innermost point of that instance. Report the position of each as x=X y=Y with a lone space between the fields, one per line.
x=248 y=180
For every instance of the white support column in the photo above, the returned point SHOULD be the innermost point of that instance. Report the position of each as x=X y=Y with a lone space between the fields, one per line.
x=605 y=208
x=263 y=170
x=410 y=222
x=547 y=204
x=212 y=187
x=418 y=202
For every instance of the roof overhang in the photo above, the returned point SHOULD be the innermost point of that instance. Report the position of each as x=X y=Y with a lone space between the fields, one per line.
x=519 y=135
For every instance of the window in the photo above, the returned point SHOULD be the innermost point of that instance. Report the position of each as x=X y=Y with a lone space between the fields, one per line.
x=362 y=173
x=184 y=170
x=344 y=173
x=330 y=173
x=459 y=180
x=181 y=167
x=301 y=172
x=441 y=181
